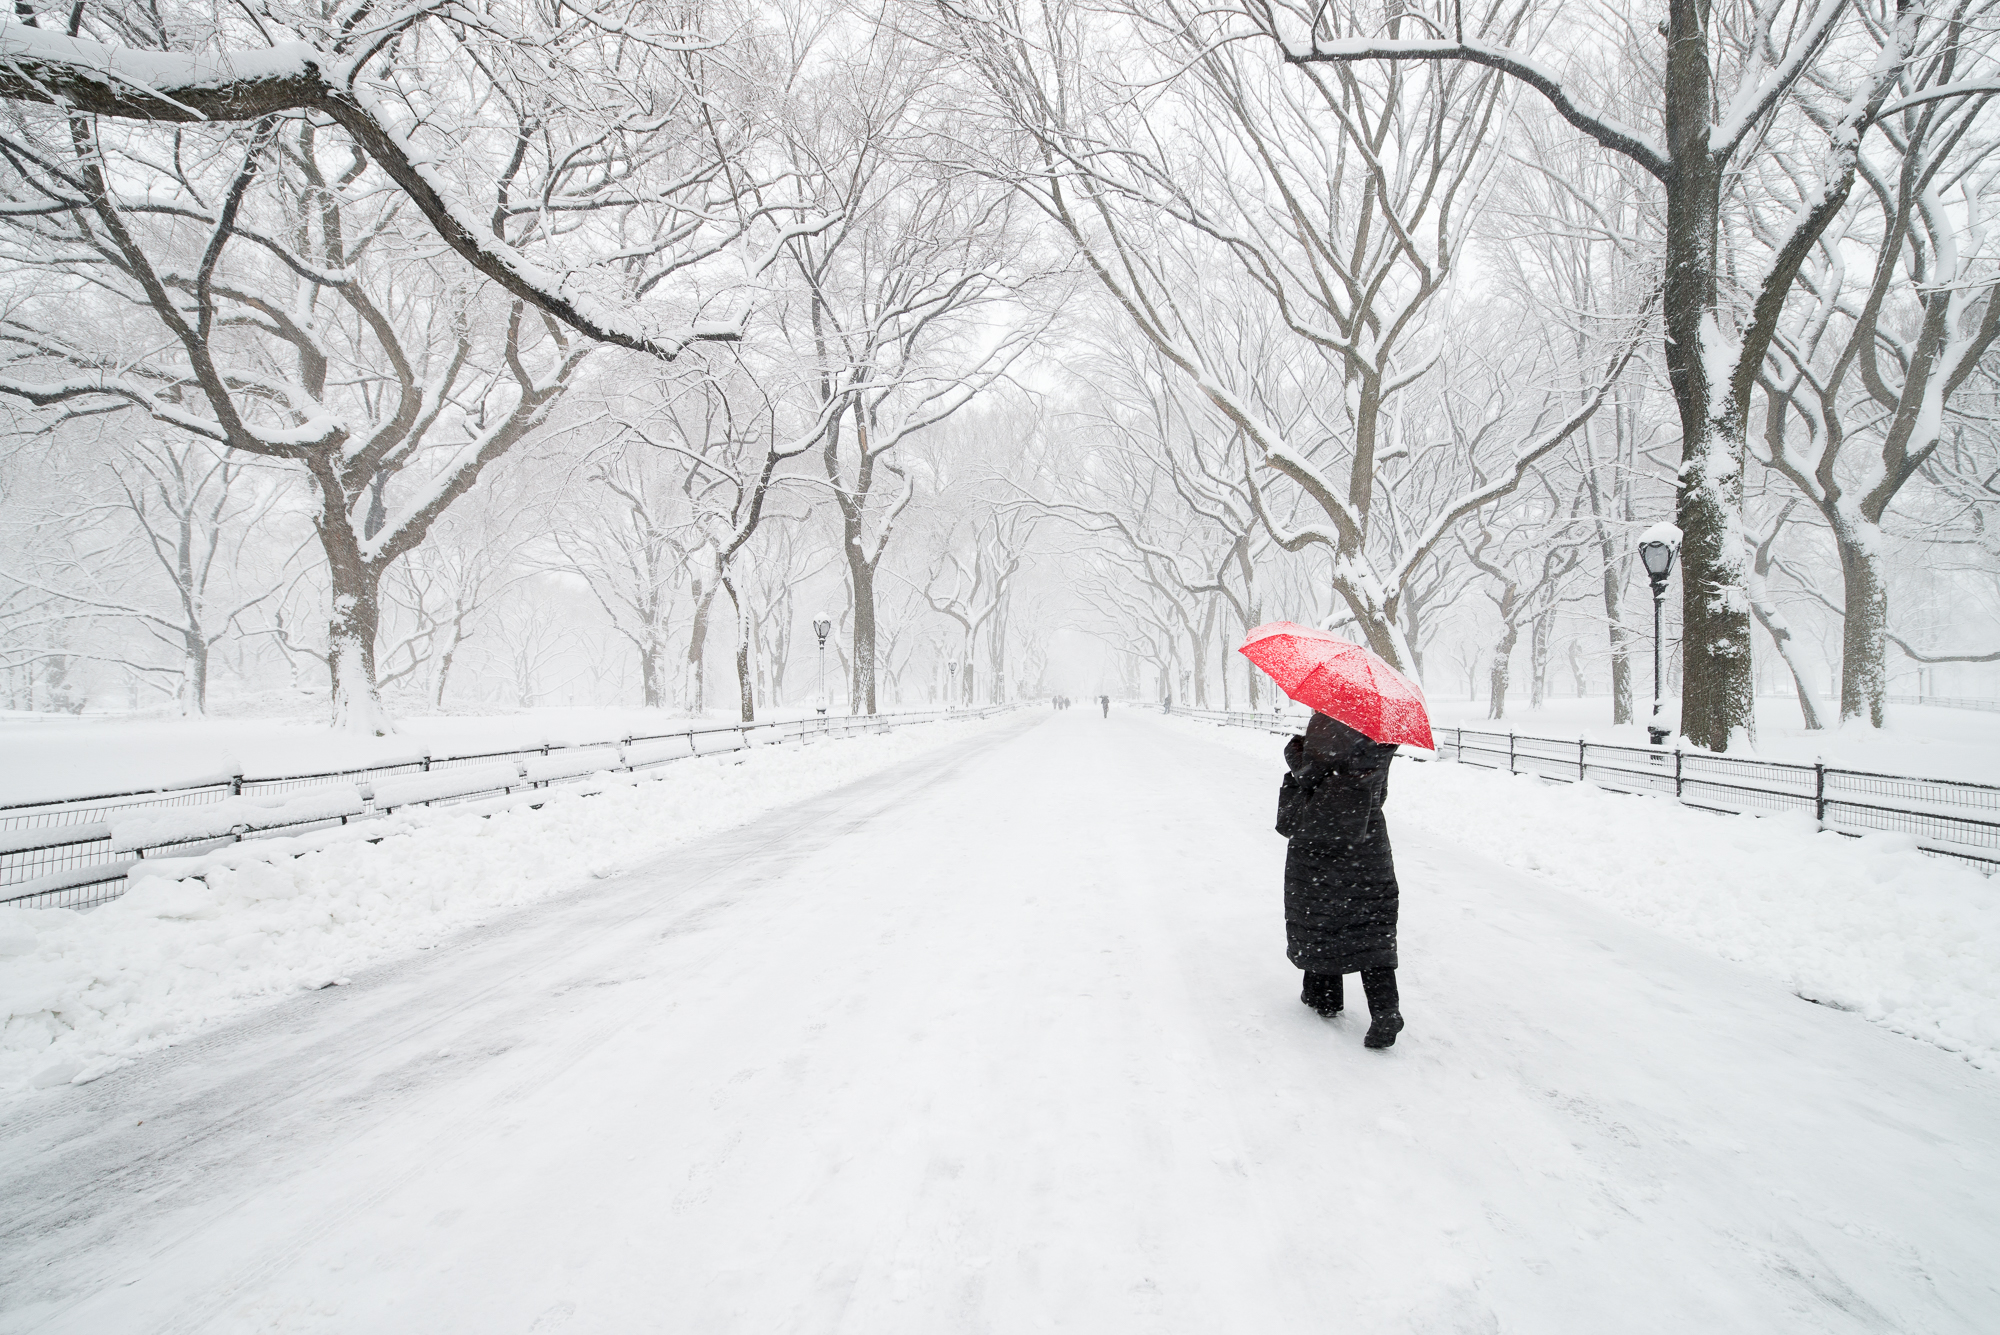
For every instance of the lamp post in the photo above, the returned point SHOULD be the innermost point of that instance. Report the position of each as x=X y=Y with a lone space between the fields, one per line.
x=822 y=628
x=951 y=695
x=1658 y=546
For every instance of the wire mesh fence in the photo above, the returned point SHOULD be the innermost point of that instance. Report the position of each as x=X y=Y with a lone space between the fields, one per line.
x=1948 y=818
x=79 y=851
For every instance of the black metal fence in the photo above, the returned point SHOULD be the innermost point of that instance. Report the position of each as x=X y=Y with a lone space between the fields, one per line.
x=1947 y=817
x=78 y=852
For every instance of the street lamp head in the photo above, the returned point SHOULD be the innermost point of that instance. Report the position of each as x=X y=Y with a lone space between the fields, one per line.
x=822 y=627
x=1657 y=548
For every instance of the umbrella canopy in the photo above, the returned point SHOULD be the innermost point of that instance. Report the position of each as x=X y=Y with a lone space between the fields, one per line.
x=1341 y=680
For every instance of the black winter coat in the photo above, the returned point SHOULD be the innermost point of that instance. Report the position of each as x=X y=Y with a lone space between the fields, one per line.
x=1340 y=876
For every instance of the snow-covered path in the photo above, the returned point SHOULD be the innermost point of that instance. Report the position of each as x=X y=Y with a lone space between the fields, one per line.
x=1004 y=1040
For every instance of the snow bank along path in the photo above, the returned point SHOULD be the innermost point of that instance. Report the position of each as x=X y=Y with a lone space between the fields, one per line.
x=1003 y=1039
x=69 y=851
x=195 y=940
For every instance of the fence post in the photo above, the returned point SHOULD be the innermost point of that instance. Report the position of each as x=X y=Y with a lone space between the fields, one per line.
x=1677 y=773
x=427 y=762
x=1579 y=759
x=236 y=784
x=1819 y=793
x=1510 y=752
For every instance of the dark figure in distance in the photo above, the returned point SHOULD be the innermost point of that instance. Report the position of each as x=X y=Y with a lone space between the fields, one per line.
x=1105 y=700
x=1340 y=876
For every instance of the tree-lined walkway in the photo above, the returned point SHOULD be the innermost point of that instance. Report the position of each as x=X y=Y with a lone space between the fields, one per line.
x=1003 y=1041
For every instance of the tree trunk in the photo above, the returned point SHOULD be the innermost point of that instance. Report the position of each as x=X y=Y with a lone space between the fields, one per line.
x=1200 y=640
x=350 y=641
x=355 y=586
x=1864 y=673
x=444 y=672
x=1717 y=700
x=996 y=656
x=777 y=657
x=1253 y=615
x=1503 y=659
x=1538 y=659
x=746 y=693
x=861 y=578
x=1614 y=617
x=649 y=673
x=194 y=674
x=1376 y=620
x=1621 y=674
x=1774 y=624
x=697 y=655
x=1577 y=672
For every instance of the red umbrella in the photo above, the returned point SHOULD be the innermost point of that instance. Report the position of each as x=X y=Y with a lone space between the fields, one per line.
x=1341 y=680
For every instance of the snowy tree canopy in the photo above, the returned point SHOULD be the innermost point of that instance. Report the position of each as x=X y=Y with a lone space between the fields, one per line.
x=513 y=353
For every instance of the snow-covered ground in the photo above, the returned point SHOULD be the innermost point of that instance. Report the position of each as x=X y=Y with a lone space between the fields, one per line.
x=1003 y=1039
x=1925 y=740
x=81 y=993
x=44 y=757
x=1868 y=925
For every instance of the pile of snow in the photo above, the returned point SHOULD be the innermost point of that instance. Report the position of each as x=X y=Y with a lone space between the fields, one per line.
x=81 y=993
x=1869 y=925
x=152 y=827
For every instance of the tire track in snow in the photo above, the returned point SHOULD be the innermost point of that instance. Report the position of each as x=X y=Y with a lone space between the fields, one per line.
x=95 y=1177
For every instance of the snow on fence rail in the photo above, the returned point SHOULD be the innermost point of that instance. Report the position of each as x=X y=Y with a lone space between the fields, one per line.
x=1949 y=818
x=1946 y=702
x=78 y=852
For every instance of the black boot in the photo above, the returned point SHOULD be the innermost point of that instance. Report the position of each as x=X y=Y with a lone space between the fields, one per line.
x=1382 y=1030
x=1322 y=992
x=1385 y=1008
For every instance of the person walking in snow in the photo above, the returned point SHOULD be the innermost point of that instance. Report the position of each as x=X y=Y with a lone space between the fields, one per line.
x=1340 y=876
x=1105 y=700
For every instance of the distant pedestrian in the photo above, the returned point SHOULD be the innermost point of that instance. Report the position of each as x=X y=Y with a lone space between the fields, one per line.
x=1340 y=875
x=1105 y=700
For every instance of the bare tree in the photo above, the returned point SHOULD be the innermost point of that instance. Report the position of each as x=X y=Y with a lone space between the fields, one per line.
x=174 y=523
x=908 y=307
x=1771 y=617
x=624 y=529
x=302 y=320
x=970 y=580
x=1341 y=207
x=1528 y=557
x=1806 y=89
x=438 y=596
x=1871 y=374
x=600 y=112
